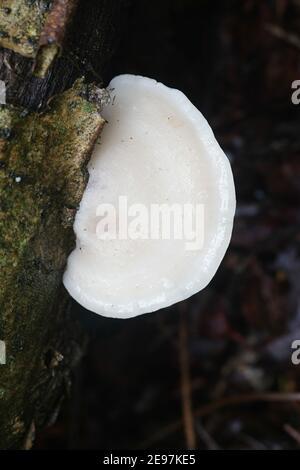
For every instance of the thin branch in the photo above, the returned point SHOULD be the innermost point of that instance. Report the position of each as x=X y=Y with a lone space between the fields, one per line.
x=186 y=393
x=289 y=38
x=268 y=397
x=291 y=431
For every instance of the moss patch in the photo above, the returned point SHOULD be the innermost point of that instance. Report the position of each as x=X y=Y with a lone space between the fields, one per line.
x=21 y=24
x=42 y=177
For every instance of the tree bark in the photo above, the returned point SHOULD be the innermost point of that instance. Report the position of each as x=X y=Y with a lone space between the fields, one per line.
x=45 y=143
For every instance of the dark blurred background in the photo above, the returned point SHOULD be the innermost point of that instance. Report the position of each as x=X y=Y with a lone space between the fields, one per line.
x=214 y=371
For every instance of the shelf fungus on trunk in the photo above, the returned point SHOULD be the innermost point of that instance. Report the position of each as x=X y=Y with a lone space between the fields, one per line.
x=156 y=217
x=42 y=178
x=35 y=29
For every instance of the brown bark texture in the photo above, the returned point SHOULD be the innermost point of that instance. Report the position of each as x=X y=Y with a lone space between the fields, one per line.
x=47 y=131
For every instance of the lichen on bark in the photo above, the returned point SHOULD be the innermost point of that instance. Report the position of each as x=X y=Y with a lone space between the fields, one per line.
x=35 y=28
x=21 y=24
x=42 y=177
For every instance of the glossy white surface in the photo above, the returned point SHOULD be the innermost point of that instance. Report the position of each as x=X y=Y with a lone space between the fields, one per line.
x=155 y=148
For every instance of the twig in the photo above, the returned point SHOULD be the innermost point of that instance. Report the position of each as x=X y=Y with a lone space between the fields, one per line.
x=251 y=442
x=205 y=410
x=186 y=397
x=206 y=437
x=293 y=433
x=280 y=33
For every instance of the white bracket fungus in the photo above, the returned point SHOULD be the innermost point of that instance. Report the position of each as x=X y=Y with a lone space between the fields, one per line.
x=156 y=217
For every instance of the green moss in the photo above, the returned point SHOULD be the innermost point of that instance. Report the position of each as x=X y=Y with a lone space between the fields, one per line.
x=35 y=29
x=21 y=24
x=42 y=177
x=44 y=59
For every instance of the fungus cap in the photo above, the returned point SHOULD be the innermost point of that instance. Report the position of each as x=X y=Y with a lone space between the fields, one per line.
x=157 y=154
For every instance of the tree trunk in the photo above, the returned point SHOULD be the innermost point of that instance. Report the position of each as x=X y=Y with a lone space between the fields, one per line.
x=45 y=144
